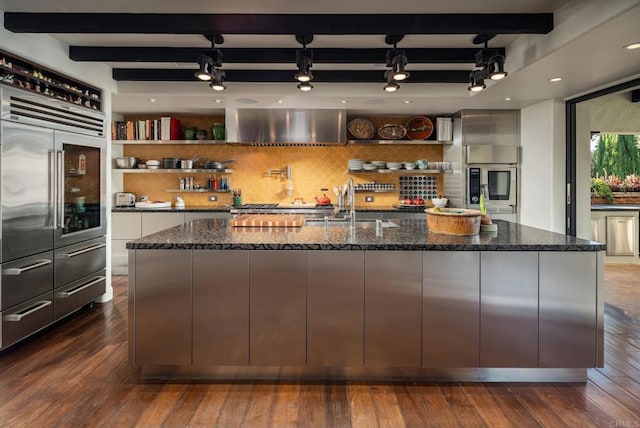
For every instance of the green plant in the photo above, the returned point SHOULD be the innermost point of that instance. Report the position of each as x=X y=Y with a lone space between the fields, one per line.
x=602 y=189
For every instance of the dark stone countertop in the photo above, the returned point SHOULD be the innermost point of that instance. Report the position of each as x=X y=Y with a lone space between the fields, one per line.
x=194 y=209
x=623 y=207
x=412 y=235
x=376 y=209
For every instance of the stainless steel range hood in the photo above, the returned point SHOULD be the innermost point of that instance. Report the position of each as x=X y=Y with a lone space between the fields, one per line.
x=286 y=127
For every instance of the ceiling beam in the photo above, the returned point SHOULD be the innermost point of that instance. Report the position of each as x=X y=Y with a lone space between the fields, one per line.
x=338 y=24
x=272 y=55
x=274 y=76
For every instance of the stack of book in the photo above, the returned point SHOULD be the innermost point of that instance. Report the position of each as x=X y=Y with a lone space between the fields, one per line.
x=165 y=128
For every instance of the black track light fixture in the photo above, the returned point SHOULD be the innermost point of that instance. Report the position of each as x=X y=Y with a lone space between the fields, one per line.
x=391 y=85
x=210 y=62
x=491 y=63
x=476 y=81
x=396 y=59
x=205 y=64
x=218 y=80
x=305 y=86
x=495 y=68
x=304 y=61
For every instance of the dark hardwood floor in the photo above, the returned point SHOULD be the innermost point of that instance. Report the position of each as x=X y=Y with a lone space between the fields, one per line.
x=77 y=375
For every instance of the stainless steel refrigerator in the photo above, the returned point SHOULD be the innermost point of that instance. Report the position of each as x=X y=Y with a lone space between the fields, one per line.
x=52 y=211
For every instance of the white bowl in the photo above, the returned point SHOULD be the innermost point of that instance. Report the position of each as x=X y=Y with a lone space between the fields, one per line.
x=409 y=165
x=153 y=163
x=439 y=202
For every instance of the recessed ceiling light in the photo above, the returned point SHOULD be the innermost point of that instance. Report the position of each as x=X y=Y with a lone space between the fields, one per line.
x=555 y=79
x=407 y=102
x=218 y=100
x=507 y=99
x=631 y=46
x=152 y=100
x=280 y=101
x=344 y=101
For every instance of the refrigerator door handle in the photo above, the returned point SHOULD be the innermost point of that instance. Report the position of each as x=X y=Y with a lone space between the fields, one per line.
x=60 y=187
x=53 y=187
x=18 y=271
x=82 y=251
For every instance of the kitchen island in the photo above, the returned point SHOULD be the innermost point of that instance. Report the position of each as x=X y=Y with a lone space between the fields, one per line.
x=207 y=299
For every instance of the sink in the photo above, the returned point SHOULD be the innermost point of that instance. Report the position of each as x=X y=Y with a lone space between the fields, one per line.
x=361 y=223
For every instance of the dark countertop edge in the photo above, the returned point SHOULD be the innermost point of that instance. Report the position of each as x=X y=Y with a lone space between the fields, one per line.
x=227 y=209
x=367 y=247
x=630 y=207
x=169 y=210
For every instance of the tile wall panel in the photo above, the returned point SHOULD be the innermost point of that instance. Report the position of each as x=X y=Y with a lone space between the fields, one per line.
x=313 y=168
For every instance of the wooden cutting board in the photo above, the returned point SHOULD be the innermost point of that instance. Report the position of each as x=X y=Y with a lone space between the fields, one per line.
x=266 y=220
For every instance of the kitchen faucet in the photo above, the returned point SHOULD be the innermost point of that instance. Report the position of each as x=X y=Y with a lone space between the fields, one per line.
x=351 y=194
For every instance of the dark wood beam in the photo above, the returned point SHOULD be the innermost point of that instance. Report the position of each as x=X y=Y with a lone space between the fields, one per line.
x=271 y=55
x=272 y=76
x=153 y=23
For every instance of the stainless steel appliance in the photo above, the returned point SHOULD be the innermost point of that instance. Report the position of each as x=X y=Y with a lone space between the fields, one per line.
x=52 y=209
x=498 y=184
x=124 y=199
x=491 y=171
x=484 y=160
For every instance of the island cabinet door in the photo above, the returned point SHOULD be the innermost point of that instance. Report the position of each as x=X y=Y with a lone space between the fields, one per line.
x=568 y=309
x=451 y=309
x=278 y=308
x=508 y=309
x=393 y=309
x=162 y=305
x=335 y=308
x=220 y=307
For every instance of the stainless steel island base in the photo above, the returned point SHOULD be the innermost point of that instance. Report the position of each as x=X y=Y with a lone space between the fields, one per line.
x=360 y=314
x=238 y=373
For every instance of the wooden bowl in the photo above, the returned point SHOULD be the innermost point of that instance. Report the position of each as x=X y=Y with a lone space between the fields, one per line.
x=453 y=221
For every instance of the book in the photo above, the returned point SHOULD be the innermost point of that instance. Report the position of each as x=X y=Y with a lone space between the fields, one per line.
x=170 y=128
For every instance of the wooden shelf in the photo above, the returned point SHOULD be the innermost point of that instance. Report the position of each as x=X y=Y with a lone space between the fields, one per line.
x=166 y=142
x=398 y=171
x=396 y=142
x=171 y=171
x=49 y=83
x=197 y=191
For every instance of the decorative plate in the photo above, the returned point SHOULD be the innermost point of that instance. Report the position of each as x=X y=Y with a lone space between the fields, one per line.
x=392 y=131
x=419 y=128
x=361 y=128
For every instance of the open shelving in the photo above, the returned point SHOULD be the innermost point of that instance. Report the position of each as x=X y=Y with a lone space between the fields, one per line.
x=23 y=74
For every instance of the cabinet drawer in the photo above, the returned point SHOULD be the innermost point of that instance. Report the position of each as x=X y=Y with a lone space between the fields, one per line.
x=78 y=293
x=79 y=260
x=26 y=278
x=26 y=318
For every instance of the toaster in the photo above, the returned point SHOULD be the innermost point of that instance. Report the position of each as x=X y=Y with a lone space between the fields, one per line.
x=124 y=199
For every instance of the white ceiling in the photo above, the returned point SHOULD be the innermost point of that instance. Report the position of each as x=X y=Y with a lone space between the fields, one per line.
x=586 y=48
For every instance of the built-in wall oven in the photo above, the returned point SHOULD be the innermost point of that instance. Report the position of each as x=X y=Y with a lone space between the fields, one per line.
x=498 y=184
x=491 y=171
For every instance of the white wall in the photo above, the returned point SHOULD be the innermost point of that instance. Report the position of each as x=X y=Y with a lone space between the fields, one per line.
x=53 y=54
x=542 y=166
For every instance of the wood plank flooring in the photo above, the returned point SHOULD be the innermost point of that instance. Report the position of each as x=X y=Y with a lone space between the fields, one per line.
x=76 y=374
